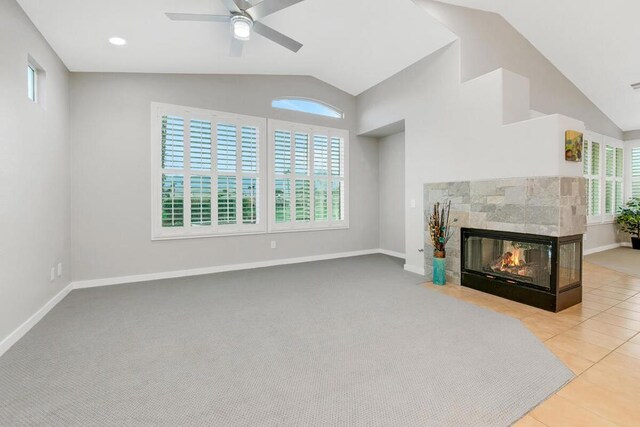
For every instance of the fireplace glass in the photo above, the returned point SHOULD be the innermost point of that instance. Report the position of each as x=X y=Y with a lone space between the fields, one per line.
x=517 y=262
x=569 y=264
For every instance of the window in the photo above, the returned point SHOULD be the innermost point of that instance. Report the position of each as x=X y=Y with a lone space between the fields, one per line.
x=614 y=187
x=208 y=173
x=591 y=165
x=309 y=106
x=308 y=176
x=635 y=171
x=32 y=81
x=36 y=82
x=603 y=167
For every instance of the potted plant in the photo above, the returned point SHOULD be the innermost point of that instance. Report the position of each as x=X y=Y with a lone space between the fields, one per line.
x=440 y=233
x=628 y=219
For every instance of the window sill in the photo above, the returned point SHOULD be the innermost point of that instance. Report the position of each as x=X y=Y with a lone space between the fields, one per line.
x=298 y=230
x=605 y=222
x=247 y=233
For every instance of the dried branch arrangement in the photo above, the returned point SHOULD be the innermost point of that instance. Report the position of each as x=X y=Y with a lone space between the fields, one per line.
x=440 y=226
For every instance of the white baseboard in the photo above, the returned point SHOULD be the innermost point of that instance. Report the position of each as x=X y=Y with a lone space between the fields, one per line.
x=14 y=336
x=392 y=253
x=218 y=269
x=626 y=244
x=605 y=248
x=413 y=269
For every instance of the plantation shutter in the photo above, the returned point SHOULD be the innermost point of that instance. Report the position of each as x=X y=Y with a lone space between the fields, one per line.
x=282 y=170
x=200 y=200
x=337 y=179
x=302 y=153
x=609 y=191
x=200 y=145
x=619 y=180
x=321 y=200
x=249 y=200
x=320 y=154
x=282 y=152
x=172 y=142
x=303 y=200
x=172 y=200
x=227 y=200
x=172 y=158
x=321 y=172
x=227 y=151
x=586 y=170
x=309 y=181
x=635 y=172
x=249 y=149
x=283 y=200
x=209 y=169
x=594 y=201
x=250 y=137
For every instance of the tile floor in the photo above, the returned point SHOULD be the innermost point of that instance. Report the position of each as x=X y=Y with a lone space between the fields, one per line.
x=599 y=340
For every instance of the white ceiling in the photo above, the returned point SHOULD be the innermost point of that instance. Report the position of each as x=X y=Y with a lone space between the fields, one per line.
x=351 y=44
x=592 y=42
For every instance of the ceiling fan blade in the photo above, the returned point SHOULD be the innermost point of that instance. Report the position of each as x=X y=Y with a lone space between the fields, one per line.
x=235 y=50
x=197 y=17
x=276 y=36
x=267 y=7
x=231 y=5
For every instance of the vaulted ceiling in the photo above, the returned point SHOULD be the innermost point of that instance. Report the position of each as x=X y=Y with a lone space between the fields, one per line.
x=592 y=42
x=351 y=44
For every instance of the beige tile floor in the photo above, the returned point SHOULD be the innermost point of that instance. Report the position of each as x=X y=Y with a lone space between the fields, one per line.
x=599 y=340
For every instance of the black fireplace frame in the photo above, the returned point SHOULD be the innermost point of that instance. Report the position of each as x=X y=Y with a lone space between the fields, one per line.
x=554 y=299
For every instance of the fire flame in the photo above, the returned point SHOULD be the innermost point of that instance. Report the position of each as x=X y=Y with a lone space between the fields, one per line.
x=518 y=257
x=513 y=259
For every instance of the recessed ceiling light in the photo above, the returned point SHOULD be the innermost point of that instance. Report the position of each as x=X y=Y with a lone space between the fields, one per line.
x=118 y=41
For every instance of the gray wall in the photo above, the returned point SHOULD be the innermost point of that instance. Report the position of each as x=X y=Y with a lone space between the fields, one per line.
x=488 y=42
x=455 y=132
x=602 y=235
x=632 y=135
x=35 y=149
x=111 y=172
x=445 y=132
x=391 y=188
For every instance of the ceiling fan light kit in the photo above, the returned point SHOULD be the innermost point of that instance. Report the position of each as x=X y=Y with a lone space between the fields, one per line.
x=241 y=26
x=244 y=19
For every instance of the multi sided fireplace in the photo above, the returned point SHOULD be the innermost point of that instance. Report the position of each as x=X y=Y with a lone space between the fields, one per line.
x=541 y=271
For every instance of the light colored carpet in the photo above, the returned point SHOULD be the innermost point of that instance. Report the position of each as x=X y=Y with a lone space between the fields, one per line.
x=349 y=342
x=625 y=260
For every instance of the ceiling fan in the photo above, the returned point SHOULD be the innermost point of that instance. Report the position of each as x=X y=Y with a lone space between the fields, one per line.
x=244 y=18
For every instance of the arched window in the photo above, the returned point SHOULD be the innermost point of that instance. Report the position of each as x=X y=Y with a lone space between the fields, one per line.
x=306 y=105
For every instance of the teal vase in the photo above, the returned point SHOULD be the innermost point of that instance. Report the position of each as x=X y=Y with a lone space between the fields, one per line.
x=439 y=271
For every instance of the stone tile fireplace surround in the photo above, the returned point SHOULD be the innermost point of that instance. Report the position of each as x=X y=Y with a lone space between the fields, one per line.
x=548 y=206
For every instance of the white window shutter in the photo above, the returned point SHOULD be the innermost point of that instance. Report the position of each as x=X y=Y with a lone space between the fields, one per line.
x=208 y=168
x=635 y=172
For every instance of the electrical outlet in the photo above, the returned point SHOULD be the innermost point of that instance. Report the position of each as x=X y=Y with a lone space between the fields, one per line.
x=273 y=244
x=53 y=274
x=59 y=269
x=413 y=203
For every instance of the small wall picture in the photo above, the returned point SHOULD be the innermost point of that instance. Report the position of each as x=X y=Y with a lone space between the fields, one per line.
x=573 y=146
